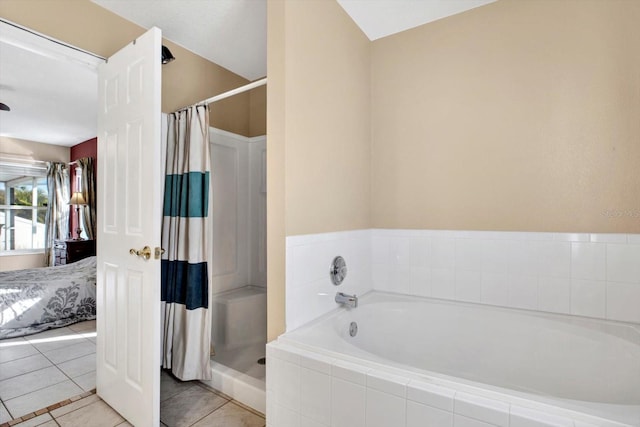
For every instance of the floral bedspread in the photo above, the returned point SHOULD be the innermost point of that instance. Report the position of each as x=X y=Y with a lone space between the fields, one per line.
x=37 y=299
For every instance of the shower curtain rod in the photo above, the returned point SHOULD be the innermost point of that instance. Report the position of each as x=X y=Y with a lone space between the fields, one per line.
x=229 y=93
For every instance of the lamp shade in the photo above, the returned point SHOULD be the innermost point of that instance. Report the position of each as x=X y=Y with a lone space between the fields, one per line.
x=77 y=199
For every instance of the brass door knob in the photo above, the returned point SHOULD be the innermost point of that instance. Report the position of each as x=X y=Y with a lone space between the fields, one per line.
x=142 y=253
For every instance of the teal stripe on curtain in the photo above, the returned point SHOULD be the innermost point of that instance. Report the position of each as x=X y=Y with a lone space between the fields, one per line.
x=196 y=185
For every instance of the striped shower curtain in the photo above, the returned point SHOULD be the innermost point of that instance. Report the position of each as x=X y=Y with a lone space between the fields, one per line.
x=186 y=336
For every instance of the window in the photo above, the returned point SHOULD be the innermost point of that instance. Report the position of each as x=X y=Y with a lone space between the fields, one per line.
x=23 y=208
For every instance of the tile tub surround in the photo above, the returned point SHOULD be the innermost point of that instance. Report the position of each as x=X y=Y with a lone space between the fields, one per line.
x=593 y=275
x=309 y=291
x=306 y=388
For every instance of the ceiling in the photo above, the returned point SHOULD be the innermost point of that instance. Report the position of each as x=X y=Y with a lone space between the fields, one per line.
x=51 y=89
x=381 y=18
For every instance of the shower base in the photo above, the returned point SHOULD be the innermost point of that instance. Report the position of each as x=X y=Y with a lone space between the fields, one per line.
x=245 y=388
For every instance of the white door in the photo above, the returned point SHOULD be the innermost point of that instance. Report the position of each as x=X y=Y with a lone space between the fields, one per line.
x=129 y=217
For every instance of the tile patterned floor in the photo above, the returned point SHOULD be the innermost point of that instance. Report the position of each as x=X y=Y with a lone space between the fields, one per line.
x=40 y=370
x=44 y=379
x=188 y=404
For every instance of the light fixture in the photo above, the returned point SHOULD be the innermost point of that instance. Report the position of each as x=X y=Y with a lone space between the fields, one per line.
x=167 y=56
x=4 y=107
x=77 y=200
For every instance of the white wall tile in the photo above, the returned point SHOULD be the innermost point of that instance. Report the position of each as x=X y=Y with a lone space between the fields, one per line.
x=468 y=254
x=387 y=383
x=571 y=237
x=554 y=258
x=623 y=263
x=308 y=422
x=487 y=410
x=495 y=288
x=588 y=261
x=523 y=417
x=421 y=251
x=522 y=258
x=495 y=255
x=285 y=417
x=348 y=403
x=315 y=396
x=523 y=292
x=443 y=283
x=400 y=250
x=288 y=387
x=384 y=410
x=554 y=294
x=431 y=395
x=633 y=239
x=514 y=269
x=608 y=238
x=350 y=372
x=317 y=362
x=419 y=415
x=462 y=421
x=623 y=302
x=468 y=286
x=588 y=298
x=381 y=277
x=443 y=253
x=420 y=281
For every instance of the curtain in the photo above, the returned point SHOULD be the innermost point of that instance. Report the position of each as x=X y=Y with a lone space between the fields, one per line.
x=186 y=337
x=57 y=219
x=87 y=168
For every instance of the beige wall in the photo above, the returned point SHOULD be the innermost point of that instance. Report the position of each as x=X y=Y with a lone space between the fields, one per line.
x=519 y=115
x=189 y=79
x=29 y=150
x=318 y=122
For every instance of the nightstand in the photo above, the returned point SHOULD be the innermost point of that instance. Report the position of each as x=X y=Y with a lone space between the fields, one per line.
x=68 y=251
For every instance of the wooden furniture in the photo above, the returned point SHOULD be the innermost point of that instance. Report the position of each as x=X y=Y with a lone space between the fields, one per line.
x=68 y=251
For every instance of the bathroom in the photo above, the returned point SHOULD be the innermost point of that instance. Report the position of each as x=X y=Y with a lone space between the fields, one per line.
x=488 y=157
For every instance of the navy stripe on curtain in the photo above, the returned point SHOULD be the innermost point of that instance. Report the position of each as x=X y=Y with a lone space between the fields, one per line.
x=196 y=185
x=188 y=284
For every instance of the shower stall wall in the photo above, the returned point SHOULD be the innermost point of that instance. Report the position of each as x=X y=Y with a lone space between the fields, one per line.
x=238 y=265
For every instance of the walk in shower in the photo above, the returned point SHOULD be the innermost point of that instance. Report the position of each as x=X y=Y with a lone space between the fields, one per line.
x=238 y=265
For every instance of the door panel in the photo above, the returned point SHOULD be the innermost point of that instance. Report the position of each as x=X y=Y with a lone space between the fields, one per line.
x=129 y=217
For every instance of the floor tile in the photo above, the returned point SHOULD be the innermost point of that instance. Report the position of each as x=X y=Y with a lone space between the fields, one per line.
x=86 y=381
x=22 y=366
x=124 y=424
x=75 y=405
x=79 y=366
x=97 y=414
x=71 y=352
x=189 y=406
x=169 y=386
x=16 y=348
x=44 y=419
x=51 y=423
x=42 y=398
x=53 y=339
x=4 y=414
x=89 y=325
x=231 y=415
x=30 y=382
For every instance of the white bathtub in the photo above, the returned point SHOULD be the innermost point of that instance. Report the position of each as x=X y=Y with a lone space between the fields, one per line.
x=498 y=366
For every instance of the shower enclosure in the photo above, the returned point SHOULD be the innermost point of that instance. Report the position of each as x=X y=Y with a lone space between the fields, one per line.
x=238 y=264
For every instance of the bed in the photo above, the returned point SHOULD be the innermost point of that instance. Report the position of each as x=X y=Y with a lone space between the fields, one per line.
x=37 y=299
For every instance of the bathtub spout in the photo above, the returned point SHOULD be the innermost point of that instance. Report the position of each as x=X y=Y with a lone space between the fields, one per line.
x=348 y=300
